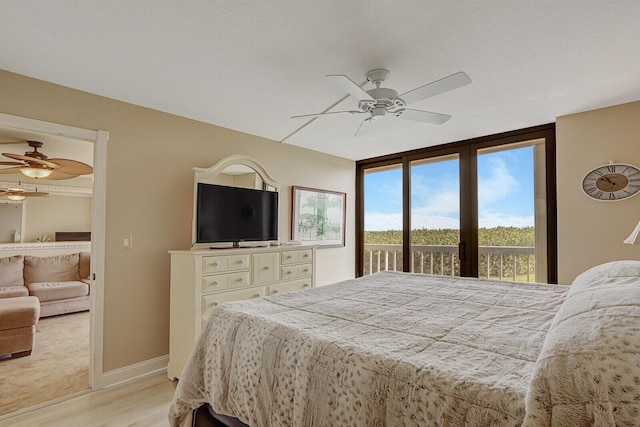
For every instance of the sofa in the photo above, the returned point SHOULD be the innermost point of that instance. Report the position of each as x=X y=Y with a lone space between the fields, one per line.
x=61 y=283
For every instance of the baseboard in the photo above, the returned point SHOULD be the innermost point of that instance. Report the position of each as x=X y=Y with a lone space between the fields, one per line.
x=135 y=371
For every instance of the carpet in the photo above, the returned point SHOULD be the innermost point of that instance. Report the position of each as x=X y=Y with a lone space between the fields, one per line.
x=58 y=365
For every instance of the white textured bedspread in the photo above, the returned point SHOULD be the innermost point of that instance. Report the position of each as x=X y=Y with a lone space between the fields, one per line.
x=391 y=349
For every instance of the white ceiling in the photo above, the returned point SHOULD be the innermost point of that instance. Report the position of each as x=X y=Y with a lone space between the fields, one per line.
x=251 y=64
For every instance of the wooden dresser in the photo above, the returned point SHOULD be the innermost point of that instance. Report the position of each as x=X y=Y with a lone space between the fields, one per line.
x=202 y=279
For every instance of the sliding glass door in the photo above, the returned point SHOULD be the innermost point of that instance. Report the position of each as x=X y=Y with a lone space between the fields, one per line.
x=435 y=215
x=383 y=223
x=512 y=219
x=479 y=208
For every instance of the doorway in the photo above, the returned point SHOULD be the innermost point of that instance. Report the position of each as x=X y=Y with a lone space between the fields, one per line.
x=25 y=128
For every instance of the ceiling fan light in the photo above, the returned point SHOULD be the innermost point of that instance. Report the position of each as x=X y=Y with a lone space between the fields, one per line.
x=32 y=172
x=16 y=197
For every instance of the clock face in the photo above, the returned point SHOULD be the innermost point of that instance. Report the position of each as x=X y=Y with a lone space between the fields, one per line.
x=612 y=182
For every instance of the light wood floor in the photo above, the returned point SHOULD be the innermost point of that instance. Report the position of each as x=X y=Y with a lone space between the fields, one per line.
x=143 y=402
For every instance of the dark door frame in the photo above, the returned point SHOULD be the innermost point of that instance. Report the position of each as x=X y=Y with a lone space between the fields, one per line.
x=467 y=151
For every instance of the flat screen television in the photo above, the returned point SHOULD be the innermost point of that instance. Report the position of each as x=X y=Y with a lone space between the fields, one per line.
x=232 y=214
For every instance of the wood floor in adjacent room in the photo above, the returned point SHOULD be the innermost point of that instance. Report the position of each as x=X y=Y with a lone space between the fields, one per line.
x=143 y=402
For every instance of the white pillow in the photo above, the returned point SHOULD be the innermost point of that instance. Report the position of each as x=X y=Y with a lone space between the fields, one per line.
x=607 y=272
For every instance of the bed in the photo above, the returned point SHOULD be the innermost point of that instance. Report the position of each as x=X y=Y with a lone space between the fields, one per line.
x=402 y=349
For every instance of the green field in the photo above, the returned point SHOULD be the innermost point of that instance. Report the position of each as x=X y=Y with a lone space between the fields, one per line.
x=443 y=263
x=498 y=236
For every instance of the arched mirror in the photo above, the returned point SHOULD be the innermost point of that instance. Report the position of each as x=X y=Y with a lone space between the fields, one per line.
x=238 y=171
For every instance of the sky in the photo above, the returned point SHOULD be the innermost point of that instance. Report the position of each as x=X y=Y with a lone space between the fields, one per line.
x=505 y=193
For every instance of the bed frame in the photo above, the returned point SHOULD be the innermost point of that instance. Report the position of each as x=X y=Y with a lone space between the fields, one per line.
x=204 y=416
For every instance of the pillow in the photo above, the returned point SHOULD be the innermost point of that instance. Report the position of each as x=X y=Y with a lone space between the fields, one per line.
x=61 y=268
x=588 y=370
x=11 y=269
x=608 y=272
x=84 y=266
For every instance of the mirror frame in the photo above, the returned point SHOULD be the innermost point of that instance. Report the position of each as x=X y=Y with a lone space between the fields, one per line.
x=201 y=174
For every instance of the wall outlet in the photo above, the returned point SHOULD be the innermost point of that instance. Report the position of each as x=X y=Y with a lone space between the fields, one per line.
x=127 y=242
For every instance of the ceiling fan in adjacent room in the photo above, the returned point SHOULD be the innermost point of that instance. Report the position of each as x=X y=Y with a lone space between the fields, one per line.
x=381 y=102
x=35 y=164
x=18 y=194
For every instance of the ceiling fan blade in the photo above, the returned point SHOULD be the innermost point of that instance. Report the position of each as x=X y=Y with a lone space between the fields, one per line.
x=72 y=167
x=34 y=194
x=57 y=176
x=424 y=116
x=28 y=159
x=364 y=127
x=437 y=87
x=10 y=170
x=349 y=86
x=329 y=112
x=11 y=164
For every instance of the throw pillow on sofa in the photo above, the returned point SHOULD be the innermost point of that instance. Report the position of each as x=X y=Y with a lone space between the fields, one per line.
x=61 y=268
x=84 y=266
x=11 y=271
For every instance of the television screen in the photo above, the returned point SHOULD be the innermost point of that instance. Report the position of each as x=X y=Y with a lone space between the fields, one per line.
x=232 y=214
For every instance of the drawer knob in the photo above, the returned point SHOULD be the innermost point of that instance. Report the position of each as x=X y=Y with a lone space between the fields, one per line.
x=215 y=264
x=256 y=295
x=240 y=262
x=240 y=279
x=213 y=304
x=288 y=272
x=305 y=256
x=289 y=256
x=275 y=291
x=305 y=270
x=306 y=285
x=266 y=267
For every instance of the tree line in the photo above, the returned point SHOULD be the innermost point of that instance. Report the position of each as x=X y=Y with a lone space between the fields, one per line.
x=444 y=263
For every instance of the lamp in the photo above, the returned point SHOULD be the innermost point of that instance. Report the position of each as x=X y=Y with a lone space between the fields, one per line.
x=16 y=197
x=35 y=171
x=631 y=240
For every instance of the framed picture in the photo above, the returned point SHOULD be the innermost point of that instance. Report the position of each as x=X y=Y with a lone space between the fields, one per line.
x=318 y=216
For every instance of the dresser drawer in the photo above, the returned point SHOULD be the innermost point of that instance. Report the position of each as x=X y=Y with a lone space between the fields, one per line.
x=296 y=285
x=216 y=264
x=209 y=302
x=265 y=268
x=295 y=271
x=294 y=257
x=218 y=282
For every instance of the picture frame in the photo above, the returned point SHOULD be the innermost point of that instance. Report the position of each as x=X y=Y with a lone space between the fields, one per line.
x=318 y=216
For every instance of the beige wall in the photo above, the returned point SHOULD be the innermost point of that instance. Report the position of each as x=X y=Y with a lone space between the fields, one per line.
x=46 y=215
x=150 y=156
x=591 y=232
x=10 y=221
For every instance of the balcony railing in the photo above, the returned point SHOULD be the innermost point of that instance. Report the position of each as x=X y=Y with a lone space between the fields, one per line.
x=495 y=262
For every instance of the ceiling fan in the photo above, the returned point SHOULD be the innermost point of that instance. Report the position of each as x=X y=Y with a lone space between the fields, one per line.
x=381 y=102
x=18 y=194
x=35 y=164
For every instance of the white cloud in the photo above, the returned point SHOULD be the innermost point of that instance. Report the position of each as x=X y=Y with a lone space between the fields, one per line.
x=433 y=221
x=498 y=184
x=491 y=220
x=382 y=221
x=437 y=202
x=446 y=201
